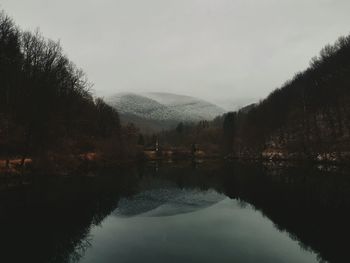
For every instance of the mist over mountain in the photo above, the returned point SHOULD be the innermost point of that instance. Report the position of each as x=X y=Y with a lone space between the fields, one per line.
x=234 y=104
x=157 y=110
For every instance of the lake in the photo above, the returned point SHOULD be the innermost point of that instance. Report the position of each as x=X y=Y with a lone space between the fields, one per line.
x=179 y=212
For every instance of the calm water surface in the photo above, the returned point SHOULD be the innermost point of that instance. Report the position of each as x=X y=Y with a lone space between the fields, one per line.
x=191 y=226
x=178 y=213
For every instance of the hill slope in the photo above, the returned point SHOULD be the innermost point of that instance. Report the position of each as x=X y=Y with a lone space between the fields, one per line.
x=156 y=111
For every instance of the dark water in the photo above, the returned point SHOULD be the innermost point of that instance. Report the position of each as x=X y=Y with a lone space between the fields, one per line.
x=212 y=212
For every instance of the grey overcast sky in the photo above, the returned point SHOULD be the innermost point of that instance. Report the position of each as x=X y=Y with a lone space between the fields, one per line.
x=219 y=50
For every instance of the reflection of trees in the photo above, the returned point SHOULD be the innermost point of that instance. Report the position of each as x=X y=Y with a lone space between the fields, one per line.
x=53 y=219
x=310 y=205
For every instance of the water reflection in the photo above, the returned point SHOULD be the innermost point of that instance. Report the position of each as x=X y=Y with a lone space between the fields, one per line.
x=167 y=202
x=223 y=232
x=179 y=213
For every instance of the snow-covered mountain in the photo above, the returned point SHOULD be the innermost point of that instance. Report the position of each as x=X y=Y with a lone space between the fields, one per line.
x=162 y=110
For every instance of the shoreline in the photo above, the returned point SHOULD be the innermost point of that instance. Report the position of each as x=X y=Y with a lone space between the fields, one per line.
x=89 y=166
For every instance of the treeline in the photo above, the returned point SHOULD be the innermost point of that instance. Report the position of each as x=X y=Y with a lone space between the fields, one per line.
x=307 y=118
x=47 y=110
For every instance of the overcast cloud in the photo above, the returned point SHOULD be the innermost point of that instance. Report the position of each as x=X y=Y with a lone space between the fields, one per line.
x=219 y=50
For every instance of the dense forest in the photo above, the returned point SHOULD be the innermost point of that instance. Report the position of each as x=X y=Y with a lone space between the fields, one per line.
x=50 y=120
x=307 y=118
x=48 y=114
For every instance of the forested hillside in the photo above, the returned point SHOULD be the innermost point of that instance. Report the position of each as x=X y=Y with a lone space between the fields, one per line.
x=307 y=118
x=49 y=116
x=47 y=111
x=156 y=111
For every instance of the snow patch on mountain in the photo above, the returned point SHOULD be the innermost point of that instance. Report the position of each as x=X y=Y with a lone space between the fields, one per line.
x=187 y=106
x=164 y=106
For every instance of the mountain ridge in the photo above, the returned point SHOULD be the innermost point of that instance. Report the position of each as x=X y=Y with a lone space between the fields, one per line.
x=165 y=108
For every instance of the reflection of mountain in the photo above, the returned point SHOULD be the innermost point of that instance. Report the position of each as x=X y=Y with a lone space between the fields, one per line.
x=167 y=202
x=310 y=204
